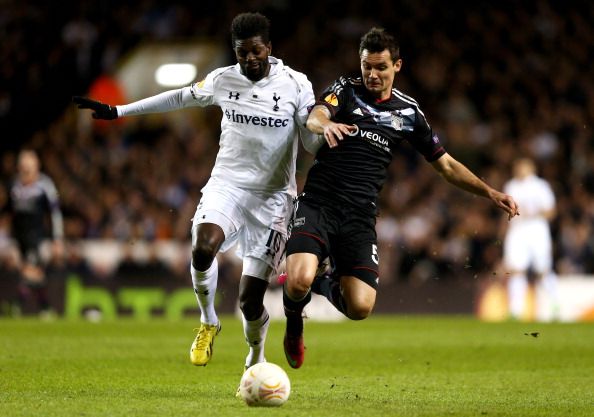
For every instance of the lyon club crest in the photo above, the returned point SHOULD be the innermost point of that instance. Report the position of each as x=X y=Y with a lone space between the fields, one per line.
x=397 y=122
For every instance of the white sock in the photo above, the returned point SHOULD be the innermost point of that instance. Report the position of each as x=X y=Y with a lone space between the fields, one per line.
x=517 y=288
x=549 y=284
x=205 y=288
x=255 y=336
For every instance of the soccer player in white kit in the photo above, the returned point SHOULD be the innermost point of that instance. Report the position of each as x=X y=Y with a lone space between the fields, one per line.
x=248 y=198
x=527 y=242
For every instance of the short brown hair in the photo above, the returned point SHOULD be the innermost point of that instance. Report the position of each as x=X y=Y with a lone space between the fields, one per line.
x=377 y=40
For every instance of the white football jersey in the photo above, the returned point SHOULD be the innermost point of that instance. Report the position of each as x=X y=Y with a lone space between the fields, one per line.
x=528 y=238
x=260 y=124
x=533 y=195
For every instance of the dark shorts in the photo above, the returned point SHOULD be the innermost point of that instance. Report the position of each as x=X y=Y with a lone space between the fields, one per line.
x=344 y=234
x=29 y=249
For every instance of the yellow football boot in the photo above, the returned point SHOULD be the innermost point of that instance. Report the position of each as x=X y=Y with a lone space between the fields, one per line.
x=201 y=350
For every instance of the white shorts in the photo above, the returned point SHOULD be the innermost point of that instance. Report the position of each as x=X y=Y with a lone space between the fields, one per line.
x=526 y=248
x=256 y=222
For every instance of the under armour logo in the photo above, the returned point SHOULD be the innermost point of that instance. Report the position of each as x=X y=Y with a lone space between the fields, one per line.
x=276 y=99
x=234 y=95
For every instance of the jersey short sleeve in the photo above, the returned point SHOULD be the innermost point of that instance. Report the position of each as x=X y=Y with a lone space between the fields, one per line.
x=51 y=194
x=334 y=96
x=304 y=102
x=203 y=90
x=424 y=140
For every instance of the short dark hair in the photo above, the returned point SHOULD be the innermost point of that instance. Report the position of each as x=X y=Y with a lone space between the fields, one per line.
x=377 y=40
x=247 y=25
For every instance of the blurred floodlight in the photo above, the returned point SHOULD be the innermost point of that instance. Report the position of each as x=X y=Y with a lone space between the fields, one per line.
x=153 y=67
x=175 y=75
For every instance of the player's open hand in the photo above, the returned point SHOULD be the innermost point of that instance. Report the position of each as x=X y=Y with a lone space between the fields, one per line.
x=100 y=110
x=507 y=203
x=334 y=132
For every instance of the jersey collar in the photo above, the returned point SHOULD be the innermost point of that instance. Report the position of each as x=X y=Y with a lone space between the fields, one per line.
x=384 y=100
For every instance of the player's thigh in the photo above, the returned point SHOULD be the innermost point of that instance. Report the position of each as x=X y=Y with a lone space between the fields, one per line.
x=220 y=207
x=359 y=296
x=29 y=250
x=542 y=255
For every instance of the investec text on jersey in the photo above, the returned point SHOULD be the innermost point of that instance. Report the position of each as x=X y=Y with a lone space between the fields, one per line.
x=255 y=120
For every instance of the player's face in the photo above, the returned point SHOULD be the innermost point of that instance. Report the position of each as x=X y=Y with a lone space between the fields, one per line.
x=378 y=71
x=524 y=168
x=28 y=167
x=252 y=56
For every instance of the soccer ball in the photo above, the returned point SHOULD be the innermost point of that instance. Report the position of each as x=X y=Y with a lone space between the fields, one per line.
x=265 y=384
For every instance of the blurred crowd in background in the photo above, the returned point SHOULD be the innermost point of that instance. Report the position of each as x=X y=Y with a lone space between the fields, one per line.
x=496 y=80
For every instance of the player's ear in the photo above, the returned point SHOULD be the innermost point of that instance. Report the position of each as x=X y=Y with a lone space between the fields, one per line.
x=397 y=65
x=269 y=48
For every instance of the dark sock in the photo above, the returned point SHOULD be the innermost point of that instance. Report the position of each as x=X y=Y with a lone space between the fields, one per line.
x=294 y=324
x=321 y=285
x=42 y=299
x=293 y=311
x=292 y=306
x=330 y=289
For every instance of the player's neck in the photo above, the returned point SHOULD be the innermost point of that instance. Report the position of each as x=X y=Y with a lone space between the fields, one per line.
x=383 y=98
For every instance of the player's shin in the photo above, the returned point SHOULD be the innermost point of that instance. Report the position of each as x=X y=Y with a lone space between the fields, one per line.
x=294 y=305
x=205 y=287
x=293 y=340
x=255 y=335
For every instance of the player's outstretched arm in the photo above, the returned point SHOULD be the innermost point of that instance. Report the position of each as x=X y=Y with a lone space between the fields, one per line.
x=100 y=110
x=457 y=174
x=163 y=102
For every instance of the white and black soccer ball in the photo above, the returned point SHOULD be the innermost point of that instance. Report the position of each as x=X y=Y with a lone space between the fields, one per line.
x=265 y=384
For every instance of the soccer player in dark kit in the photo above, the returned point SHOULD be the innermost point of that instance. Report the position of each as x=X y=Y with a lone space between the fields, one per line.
x=363 y=121
x=33 y=197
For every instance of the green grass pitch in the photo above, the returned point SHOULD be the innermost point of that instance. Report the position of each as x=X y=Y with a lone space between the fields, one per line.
x=383 y=366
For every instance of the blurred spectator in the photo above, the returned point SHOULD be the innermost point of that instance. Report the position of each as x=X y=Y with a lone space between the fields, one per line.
x=142 y=272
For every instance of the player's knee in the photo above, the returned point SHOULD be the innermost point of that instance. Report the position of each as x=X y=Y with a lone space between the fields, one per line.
x=359 y=310
x=203 y=254
x=298 y=285
x=250 y=307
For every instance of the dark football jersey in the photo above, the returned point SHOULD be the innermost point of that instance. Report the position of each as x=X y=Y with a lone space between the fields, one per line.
x=354 y=171
x=29 y=204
